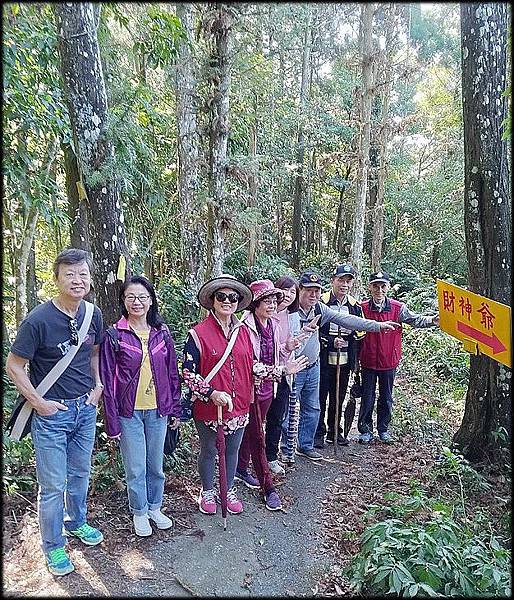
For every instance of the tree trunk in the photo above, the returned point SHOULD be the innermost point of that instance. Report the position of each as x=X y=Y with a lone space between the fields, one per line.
x=487 y=215
x=366 y=96
x=300 y=145
x=86 y=98
x=191 y=233
x=218 y=30
x=77 y=209
x=383 y=139
x=32 y=300
x=21 y=262
x=254 y=229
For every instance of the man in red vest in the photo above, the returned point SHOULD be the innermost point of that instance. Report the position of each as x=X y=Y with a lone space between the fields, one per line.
x=380 y=355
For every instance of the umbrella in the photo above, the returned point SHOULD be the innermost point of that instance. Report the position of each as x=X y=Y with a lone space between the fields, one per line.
x=292 y=423
x=220 y=445
x=337 y=416
x=349 y=411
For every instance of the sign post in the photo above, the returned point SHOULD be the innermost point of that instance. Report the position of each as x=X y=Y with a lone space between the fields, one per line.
x=483 y=325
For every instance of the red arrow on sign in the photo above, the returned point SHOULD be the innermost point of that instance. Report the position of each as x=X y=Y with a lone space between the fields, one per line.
x=491 y=341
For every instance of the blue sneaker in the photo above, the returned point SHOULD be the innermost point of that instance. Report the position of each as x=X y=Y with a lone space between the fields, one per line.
x=365 y=438
x=249 y=480
x=272 y=500
x=58 y=562
x=87 y=534
x=386 y=437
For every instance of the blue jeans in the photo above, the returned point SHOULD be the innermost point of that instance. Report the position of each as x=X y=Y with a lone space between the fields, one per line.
x=369 y=378
x=142 y=452
x=63 y=444
x=307 y=391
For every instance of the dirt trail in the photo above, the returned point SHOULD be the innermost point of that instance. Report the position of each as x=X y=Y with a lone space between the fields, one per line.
x=261 y=553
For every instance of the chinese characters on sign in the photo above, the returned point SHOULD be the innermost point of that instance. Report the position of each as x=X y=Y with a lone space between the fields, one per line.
x=482 y=324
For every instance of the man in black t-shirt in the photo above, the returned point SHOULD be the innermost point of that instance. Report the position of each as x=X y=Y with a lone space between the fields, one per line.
x=64 y=420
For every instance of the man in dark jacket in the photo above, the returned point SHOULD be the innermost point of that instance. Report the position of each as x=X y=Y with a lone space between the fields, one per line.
x=335 y=339
x=380 y=355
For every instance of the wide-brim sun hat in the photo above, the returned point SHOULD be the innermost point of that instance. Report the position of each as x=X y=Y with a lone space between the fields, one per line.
x=224 y=281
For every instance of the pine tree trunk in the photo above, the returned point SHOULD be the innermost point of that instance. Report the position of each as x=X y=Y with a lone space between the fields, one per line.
x=254 y=229
x=366 y=49
x=300 y=145
x=487 y=215
x=192 y=236
x=86 y=98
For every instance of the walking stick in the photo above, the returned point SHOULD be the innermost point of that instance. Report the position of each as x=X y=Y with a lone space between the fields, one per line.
x=337 y=415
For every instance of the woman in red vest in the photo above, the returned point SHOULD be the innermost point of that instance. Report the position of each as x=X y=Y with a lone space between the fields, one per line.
x=230 y=387
x=380 y=355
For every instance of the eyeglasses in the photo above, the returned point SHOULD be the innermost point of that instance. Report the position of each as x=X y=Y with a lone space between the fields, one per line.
x=270 y=301
x=74 y=332
x=142 y=298
x=232 y=298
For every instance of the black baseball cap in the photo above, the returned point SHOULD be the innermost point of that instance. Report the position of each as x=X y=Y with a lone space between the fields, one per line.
x=310 y=279
x=380 y=277
x=345 y=269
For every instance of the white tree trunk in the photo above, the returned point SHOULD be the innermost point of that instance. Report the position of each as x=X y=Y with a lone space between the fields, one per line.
x=366 y=50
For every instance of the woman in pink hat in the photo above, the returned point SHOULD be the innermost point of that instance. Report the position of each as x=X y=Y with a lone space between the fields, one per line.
x=267 y=372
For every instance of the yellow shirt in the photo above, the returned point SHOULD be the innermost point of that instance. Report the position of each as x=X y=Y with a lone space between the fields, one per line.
x=145 y=395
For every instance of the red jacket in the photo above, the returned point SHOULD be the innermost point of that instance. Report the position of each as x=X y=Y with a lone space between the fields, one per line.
x=237 y=383
x=382 y=350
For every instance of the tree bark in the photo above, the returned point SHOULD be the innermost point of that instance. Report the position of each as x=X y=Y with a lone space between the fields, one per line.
x=77 y=209
x=366 y=96
x=296 y=236
x=254 y=230
x=21 y=261
x=487 y=215
x=377 y=243
x=218 y=30
x=32 y=300
x=191 y=232
x=86 y=98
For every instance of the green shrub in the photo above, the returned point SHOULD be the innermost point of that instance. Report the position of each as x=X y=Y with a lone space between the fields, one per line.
x=19 y=472
x=422 y=551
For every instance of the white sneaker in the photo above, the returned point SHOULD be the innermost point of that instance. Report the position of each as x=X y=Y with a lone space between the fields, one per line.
x=275 y=467
x=162 y=521
x=142 y=525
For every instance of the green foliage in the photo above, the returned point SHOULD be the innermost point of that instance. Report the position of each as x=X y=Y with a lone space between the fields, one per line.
x=18 y=466
x=422 y=551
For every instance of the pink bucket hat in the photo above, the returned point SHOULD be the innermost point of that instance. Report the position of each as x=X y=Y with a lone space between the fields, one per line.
x=264 y=287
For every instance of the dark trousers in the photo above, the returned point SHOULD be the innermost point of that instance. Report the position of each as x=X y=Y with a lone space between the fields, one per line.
x=327 y=387
x=274 y=419
x=369 y=379
x=253 y=445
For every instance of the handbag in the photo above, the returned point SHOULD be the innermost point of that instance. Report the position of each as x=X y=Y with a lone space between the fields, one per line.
x=19 y=423
x=171 y=440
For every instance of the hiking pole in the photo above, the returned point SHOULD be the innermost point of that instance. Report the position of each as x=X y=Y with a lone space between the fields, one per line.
x=338 y=375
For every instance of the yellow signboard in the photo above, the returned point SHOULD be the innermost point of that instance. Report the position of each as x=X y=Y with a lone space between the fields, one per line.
x=482 y=324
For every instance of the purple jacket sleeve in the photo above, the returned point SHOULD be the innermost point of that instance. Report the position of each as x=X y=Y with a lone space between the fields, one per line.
x=176 y=410
x=108 y=375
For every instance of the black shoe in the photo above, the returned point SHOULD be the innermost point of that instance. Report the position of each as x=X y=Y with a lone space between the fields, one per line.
x=319 y=442
x=330 y=438
x=342 y=441
x=309 y=453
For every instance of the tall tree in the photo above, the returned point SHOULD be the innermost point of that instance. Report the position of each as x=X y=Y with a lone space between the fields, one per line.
x=386 y=84
x=192 y=238
x=217 y=26
x=82 y=75
x=366 y=97
x=300 y=143
x=487 y=214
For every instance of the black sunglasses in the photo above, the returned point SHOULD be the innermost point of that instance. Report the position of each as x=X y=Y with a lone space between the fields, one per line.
x=232 y=298
x=74 y=332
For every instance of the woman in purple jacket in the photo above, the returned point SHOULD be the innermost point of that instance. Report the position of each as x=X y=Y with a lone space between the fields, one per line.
x=138 y=367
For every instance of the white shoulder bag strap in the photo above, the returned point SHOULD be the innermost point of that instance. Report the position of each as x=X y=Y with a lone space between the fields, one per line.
x=58 y=369
x=228 y=349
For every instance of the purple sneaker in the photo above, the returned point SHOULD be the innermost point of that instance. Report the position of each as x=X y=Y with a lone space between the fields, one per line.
x=273 y=501
x=249 y=480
